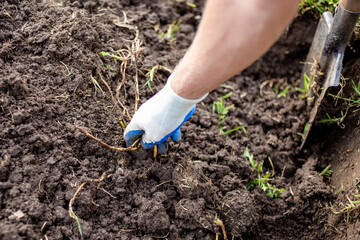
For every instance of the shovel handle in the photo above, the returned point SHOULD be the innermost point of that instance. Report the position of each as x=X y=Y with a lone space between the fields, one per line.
x=351 y=5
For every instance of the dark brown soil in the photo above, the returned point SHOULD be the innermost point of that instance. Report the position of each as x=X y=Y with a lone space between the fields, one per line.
x=49 y=54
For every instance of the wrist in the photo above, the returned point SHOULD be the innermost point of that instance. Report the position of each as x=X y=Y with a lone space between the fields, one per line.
x=186 y=90
x=182 y=95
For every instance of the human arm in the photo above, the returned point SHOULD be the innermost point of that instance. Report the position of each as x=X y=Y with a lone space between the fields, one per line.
x=231 y=35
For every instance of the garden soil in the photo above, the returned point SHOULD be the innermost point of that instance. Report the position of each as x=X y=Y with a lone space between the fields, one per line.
x=54 y=81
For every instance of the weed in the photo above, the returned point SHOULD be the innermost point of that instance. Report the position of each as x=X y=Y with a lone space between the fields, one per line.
x=320 y=5
x=170 y=33
x=191 y=4
x=66 y=67
x=250 y=157
x=354 y=99
x=97 y=86
x=347 y=208
x=222 y=132
x=151 y=74
x=222 y=110
x=131 y=54
x=262 y=182
x=308 y=85
x=341 y=188
x=306 y=127
x=337 y=120
x=327 y=172
x=283 y=93
x=108 y=67
x=242 y=127
x=78 y=222
x=125 y=23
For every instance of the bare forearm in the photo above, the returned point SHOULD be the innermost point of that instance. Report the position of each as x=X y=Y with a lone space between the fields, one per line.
x=231 y=36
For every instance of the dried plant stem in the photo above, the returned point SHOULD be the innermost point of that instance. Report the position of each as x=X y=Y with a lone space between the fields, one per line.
x=114 y=101
x=137 y=98
x=131 y=148
x=123 y=76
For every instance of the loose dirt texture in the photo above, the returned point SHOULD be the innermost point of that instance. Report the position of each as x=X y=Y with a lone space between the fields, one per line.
x=50 y=59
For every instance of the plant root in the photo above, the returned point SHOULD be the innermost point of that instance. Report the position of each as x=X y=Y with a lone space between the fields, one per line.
x=221 y=224
x=115 y=102
x=133 y=147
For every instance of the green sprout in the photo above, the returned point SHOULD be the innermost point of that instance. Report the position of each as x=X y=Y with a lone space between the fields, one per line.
x=97 y=86
x=270 y=190
x=284 y=92
x=308 y=84
x=220 y=108
x=151 y=74
x=170 y=33
x=250 y=157
x=327 y=172
x=354 y=100
x=341 y=188
x=331 y=120
x=262 y=182
x=78 y=222
x=347 y=208
x=306 y=127
x=191 y=4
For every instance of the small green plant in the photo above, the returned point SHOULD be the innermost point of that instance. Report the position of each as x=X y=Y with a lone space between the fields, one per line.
x=347 y=208
x=151 y=74
x=337 y=120
x=222 y=132
x=341 y=188
x=250 y=157
x=191 y=4
x=78 y=222
x=320 y=5
x=308 y=84
x=170 y=33
x=262 y=181
x=356 y=102
x=327 y=172
x=306 y=127
x=97 y=86
x=220 y=108
x=283 y=93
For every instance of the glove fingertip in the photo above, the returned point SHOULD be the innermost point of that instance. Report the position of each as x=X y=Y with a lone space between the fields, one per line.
x=131 y=136
x=162 y=148
x=176 y=136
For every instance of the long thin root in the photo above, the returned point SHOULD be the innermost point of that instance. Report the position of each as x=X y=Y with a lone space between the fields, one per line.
x=133 y=147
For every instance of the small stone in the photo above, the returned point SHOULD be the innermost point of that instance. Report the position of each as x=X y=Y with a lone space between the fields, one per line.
x=51 y=161
x=17 y=215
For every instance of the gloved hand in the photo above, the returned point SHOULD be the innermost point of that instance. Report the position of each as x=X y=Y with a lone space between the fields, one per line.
x=160 y=118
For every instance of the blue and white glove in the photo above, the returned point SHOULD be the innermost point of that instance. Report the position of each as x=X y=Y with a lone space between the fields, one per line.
x=160 y=118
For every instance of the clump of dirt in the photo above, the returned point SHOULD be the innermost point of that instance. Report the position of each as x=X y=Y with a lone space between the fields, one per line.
x=53 y=77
